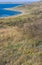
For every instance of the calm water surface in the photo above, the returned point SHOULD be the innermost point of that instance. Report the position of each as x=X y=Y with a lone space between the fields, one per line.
x=5 y=13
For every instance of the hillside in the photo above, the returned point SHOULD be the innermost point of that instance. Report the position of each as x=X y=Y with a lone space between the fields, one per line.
x=21 y=37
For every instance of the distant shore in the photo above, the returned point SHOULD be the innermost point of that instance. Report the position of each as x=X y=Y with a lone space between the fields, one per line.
x=20 y=9
x=14 y=9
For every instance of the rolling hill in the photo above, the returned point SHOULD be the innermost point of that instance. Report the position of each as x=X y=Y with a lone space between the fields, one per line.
x=21 y=37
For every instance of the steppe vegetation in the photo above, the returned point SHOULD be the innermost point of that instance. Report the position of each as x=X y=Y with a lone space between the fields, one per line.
x=21 y=37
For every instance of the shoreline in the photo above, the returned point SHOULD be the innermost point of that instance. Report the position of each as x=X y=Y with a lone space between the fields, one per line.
x=23 y=12
x=14 y=9
x=13 y=16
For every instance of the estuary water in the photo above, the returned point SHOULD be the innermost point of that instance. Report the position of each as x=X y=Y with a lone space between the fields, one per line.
x=5 y=13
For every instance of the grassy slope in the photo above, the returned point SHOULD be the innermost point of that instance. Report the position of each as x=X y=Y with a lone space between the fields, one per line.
x=21 y=38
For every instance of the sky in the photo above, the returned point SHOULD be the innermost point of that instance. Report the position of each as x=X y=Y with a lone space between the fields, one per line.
x=16 y=0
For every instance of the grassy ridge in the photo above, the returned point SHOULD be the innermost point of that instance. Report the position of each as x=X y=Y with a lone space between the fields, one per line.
x=21 y=40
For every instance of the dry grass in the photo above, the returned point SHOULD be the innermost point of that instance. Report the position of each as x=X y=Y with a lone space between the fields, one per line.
x=21 y=40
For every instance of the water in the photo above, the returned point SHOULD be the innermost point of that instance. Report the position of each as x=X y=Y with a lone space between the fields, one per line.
x=5 y=13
